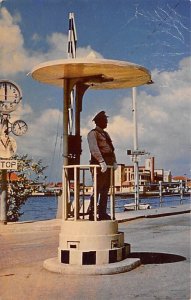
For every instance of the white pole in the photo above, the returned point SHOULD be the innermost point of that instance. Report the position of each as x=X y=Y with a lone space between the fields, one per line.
x=135 y=137
x=160 y=192
x=4 y=188
x=181 y=191
x=95 y=193
x=135 y=146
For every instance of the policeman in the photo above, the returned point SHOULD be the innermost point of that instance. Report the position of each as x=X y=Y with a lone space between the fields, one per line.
x=102 y=153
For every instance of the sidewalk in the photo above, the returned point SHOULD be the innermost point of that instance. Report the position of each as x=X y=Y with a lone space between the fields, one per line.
x=54 y=224
x=153 y=212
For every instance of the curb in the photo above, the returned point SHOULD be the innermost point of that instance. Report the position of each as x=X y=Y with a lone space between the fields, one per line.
x=168 y=214
x=158 y=215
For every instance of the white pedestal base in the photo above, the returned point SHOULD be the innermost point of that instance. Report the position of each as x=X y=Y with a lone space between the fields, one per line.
x=128 y=264
x=91 y=247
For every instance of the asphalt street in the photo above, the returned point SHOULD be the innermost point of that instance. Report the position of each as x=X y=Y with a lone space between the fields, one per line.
x=163 y=244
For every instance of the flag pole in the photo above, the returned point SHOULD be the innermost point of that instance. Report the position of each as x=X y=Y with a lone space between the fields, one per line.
x=68 y=107
x=72 y=43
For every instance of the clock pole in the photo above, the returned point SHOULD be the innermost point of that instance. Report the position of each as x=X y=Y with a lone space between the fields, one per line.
x=4 y=189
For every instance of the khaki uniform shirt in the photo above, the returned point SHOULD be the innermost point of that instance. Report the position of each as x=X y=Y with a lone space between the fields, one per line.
x=99 y=145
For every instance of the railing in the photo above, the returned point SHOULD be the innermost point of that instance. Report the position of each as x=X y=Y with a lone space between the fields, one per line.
x=79 y=174
x=163 y=184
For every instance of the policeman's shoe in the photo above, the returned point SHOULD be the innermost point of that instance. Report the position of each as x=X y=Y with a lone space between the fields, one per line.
x=91 y=217
x=104 y=217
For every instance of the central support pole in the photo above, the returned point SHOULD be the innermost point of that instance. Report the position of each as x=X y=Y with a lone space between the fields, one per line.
x=66 y=94
x=65 y=120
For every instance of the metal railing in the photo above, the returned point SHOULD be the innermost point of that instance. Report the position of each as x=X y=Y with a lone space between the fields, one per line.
x=79 y=194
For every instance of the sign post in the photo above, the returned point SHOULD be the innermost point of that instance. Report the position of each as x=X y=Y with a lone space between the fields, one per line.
x=3 y=207
x=5 y=165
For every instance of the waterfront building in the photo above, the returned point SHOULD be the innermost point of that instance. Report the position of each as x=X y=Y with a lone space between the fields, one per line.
x=148 y=177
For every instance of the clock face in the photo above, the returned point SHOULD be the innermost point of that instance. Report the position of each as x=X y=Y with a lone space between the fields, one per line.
x=19 y=127
x=10 y=96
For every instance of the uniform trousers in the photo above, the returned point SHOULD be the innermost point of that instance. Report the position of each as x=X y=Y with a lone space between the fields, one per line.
x=103 y=185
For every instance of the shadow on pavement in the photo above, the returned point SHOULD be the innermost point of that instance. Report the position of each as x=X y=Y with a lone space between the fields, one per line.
x=156 y=258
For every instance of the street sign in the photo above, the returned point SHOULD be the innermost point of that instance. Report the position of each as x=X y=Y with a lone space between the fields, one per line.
x=8 y=164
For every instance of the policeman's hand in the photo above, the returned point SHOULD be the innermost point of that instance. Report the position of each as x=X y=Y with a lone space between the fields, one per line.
x=115 y=166
x=103 y=167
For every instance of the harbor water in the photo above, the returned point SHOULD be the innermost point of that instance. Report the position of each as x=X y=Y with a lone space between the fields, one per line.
x=45 y=208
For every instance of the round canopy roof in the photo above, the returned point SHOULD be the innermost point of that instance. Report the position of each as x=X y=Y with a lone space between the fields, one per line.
x=97 y=73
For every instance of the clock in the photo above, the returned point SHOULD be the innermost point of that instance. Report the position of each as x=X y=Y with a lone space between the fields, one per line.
x=19 y=127
x=10 y=96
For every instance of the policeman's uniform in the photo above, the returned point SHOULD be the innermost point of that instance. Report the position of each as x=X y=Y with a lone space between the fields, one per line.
x=102 y=150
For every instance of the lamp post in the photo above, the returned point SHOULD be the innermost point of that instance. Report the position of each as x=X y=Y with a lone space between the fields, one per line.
x=135 y=146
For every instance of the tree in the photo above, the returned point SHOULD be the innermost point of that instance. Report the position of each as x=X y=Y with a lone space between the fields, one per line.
x=29 y=173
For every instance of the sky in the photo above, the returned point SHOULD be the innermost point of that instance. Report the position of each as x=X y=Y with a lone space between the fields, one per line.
x=152 y=33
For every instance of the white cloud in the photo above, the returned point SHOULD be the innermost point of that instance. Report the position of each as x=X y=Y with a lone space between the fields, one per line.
x=36 y=37
x=121 y=129
x=43 y=130
x=42 y=133
x=57 y=45
x=88 y=51
x=22 y=110
x=16 y=58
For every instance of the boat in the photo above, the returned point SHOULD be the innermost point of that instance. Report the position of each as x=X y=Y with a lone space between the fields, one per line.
x=131 y=206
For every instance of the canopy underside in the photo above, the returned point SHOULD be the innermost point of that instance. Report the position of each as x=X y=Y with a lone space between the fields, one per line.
x=97 y=73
